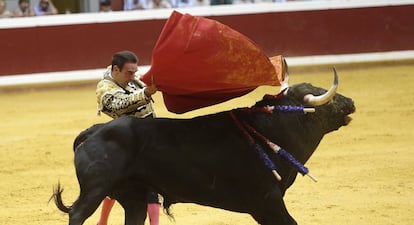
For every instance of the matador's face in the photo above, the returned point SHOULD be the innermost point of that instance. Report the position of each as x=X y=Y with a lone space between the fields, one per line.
x=126 y=74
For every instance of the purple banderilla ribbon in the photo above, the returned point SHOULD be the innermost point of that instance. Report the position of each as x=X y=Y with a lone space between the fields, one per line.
x=291 y=109
x=268 y=163
x=286 y=155
x=265 y=158
x=280 y=108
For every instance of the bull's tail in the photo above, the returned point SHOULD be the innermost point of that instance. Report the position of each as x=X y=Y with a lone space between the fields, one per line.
x=57 y=197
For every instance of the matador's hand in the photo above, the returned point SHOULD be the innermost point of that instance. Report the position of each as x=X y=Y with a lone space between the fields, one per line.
x=150 y=90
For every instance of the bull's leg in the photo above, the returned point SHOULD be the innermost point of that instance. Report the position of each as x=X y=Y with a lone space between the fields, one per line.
x=133 y=200
x=94 y=187
x=84 y=207
x=135 y=210
x=135 y=214
x=273 y=211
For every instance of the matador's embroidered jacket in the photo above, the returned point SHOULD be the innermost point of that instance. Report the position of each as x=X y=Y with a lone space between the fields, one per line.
x=115 y=101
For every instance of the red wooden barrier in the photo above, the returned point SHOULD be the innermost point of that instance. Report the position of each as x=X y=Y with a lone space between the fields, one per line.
x=291 y=33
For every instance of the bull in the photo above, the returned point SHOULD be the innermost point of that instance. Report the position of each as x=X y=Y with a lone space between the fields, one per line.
x=207 y=160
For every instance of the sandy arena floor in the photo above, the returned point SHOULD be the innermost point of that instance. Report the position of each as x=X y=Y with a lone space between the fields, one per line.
x=365 y=170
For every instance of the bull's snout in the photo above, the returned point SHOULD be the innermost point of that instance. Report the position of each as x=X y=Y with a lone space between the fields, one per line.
x=348 y=111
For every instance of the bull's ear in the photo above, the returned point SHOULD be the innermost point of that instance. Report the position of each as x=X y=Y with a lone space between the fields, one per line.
x=325 y=98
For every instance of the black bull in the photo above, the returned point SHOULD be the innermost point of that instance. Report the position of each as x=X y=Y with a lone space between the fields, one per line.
x=205 y=160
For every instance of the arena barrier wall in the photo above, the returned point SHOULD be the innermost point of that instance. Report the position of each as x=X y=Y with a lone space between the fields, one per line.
x=87 y=41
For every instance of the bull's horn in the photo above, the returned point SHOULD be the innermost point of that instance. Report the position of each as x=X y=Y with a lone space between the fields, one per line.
x=325 y=98
x=285 y=82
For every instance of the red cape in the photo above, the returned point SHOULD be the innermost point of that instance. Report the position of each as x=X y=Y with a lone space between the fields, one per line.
x=199 y=62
